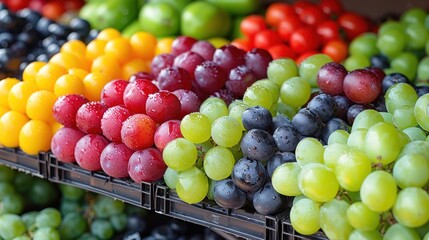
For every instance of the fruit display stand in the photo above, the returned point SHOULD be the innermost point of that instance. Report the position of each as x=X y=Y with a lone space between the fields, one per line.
x=16 y=159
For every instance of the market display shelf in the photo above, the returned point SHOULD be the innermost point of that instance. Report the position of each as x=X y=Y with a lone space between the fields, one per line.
x=138 y=194
x=288 y=233
x=16 y=159
x=240 y=223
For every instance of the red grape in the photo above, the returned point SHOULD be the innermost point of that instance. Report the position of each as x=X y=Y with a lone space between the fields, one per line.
x=66 y=107
x=362 y=86
x=64 y=142
x=204 y=49
x=226 y=95
x=173 y=78
x=142 y=75
x=182 y=44
x=137 y=131
x=257 y=60
x=188 y=61
x=114 y=160
x=88 y=117
x=136 y=94
x=330 y=78
x=113 y=93
x=379 y=73
x=160 y=62
x=146 y=165
x=163 y=106
x=112 y=120
x=210 y=77
x=189 y=101
x=167 y=132
x=240 y=78
x=88 y=150
x=229 y=57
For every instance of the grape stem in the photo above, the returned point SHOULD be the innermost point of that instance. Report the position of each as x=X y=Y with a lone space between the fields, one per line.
x=387 y=219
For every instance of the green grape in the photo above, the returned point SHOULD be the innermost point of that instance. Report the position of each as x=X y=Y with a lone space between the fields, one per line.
x=212 y=184
x=338 y=136
x=309 y=68
x=382 y=143
x=295 y=92
x=400 y=95
x=297 y=198
x=105 y=207
x=46 y=233
x=180 y=154
x=6 y=174
x=362 y=218
x=403 y=138
x=87 y=236
x=11 y=226
x=218 y=163
x=211 y=100
x=333 y=219
x=237 y=112
x=280 y=70
x=272 y=87
x=214 y=110
x=192 y=186
x=332 y=154
x=102 y=229
x=202 y=149
x=68 y=206
x=365 y=235
x=72 y=226
x=391 y=24
x=404 y=118
x=42 y=193
x=226 y=131
x=23 y=237
x=356 y=61
x=236 y=152
x=119 y=222
x=399 y=232
x=6 y=189
x=427 y=42
x=417 y=147
x=421 y=113
x=357 y=139
x=196 y=127
x=285 y=179
x=22 y=182
x=378 y=191
x=391 y=42
x=387 y=117
x=49 y=218
x=13 y=203
x=417 y=35
x=364 y=44
x=413 y=15
x=171 y=177
x=318 y=182
x=257 y=95
x=234 y=103
x=426 y=237
x=351 y=170
x=304 y=216
x=411 y=208
x=280 y=108
x=71 y=193
x=366 y=119
x=415 y=133
x=29 y=218
x=422 y=230
x=405 y=63
x=423 y=69
x=411 y=170
x=309 y=150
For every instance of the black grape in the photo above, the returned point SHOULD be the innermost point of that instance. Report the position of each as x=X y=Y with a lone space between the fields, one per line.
x=286 y=138
x=258 y=144
x=267 y=201
x=307 y=122
x=333 y=125
x=280 y=120
x=324 y=105
x=249 y=175
x=257 y=118
x=228 y=195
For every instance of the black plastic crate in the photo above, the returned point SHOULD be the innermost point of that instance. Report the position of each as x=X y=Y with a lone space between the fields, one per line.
x=243 y=224
x=35 y=165
x=138 y=194
x=288 y=233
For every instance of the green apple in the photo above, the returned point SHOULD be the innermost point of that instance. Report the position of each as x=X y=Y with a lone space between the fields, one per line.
x=160 y=19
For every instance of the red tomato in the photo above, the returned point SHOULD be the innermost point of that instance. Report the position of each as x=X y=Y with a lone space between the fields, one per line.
x=277 y=12
x=305 y=55
x=289 y=25
x=336 y=49
x=243 y=43
x=16 y=5
x=73 y=5
x=353 y=24
x=266 y=38
x=312 y=15
x=328 y=30
x=281 y=51
x=300 y=5
x=332 y=8
x=252 y=24
x=304 y=39
x=53 y=10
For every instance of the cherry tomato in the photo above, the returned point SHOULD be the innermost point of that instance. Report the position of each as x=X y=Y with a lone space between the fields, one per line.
x=289 y=25
x=353 y=24
x=16 y=5
x=278 y=12
x=281 y=51
x=328 y=30
x=36 y=5
x=312 y=15
x=332 y=8
x=53 y=10
x=252 y=24
x=336 y=49
x=243 y=43
x=300 y=5
x=73 y=5
x=304 y=39
x=266 y=39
